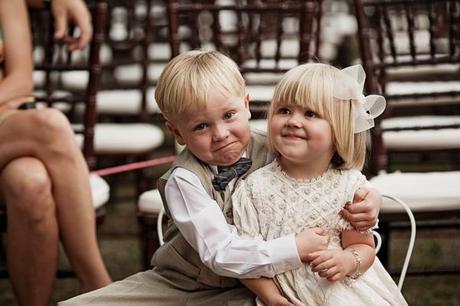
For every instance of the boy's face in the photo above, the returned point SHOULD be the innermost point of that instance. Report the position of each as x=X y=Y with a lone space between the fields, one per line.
x=217 y=135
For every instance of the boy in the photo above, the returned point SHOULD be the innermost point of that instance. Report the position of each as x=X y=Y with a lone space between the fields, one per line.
x=202 y=96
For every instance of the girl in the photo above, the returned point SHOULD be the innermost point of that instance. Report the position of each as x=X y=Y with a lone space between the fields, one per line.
x=316 y=127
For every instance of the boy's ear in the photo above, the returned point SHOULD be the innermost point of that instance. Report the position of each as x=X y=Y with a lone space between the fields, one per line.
x=246 y=104
x=175 y=132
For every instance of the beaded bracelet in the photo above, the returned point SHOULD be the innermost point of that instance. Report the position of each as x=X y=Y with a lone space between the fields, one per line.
x=358 y=261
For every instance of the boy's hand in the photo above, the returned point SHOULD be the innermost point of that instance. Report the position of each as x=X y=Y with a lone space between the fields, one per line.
x=363 y=213
x=309 y=241
x=334 y=265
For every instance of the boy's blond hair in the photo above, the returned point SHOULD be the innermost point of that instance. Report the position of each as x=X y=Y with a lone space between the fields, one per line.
x=312 y=85
x=186 y=80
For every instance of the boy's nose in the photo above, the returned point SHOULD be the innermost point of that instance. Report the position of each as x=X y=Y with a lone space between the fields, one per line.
x=220 y=133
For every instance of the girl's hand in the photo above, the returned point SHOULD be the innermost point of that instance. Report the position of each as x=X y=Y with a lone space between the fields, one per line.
x=363 y=213
x=334 y=265
x=309 y=241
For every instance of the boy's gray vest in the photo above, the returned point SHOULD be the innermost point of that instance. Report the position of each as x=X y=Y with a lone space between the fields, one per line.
x=176 y=257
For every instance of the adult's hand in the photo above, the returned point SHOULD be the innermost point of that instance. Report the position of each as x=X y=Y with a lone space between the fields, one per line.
x=74 y=11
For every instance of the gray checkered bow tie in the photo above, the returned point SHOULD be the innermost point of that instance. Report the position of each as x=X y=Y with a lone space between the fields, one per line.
x=227 y=173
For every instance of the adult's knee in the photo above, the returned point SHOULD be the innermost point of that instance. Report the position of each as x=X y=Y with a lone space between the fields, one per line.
x=53 y=128
x=26 y=187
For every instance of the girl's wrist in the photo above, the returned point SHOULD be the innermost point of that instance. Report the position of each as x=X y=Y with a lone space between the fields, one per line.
x=356 y=272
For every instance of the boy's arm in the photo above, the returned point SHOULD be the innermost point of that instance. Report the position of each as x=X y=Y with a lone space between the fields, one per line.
x=203 y=225
x=364 y=211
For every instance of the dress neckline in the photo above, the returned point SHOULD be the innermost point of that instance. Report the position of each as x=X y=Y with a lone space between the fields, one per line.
x=301 y=181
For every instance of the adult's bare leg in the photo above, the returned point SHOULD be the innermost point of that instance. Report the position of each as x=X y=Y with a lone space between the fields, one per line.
x=46 y=135
x=32 y=232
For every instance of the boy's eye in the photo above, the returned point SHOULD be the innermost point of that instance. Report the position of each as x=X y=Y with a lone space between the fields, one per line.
x=228 y=115
x=200 y=126
x=283 y=111
x=311 y=114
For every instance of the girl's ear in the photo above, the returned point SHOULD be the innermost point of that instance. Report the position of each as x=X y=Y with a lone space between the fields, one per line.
x=246 y=104
x=172 y=128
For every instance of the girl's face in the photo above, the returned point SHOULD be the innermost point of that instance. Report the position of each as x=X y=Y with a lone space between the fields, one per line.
x=301 y=136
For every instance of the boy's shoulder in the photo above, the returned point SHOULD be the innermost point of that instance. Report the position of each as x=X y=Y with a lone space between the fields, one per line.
x=258 y=136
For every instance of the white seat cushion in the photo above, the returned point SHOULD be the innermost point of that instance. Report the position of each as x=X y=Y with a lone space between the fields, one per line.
x=159 y=51
x=150 y=202
x=432 y=191
x=422 y=139
x=261 y=92
x=126 y=102
x=125 y=138
x=100 y=190
x=133 y=72
x=76 y=80
x=405 y=88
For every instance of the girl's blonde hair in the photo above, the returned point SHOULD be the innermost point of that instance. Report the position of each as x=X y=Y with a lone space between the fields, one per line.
x=186 y=80
x=312 y=85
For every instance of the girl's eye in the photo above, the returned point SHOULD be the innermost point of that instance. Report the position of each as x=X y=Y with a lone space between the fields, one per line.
x=200 y=126
x=310 y=114
x=283 y=111
x=228 y=115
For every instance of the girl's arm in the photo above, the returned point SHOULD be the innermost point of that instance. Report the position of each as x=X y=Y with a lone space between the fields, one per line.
x=357 y=256
x=17 y=82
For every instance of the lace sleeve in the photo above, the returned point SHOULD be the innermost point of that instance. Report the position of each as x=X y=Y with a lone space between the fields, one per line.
x=245 y=215
x=355 y=180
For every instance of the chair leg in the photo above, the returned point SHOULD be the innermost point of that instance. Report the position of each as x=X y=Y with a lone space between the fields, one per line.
x=149 y=238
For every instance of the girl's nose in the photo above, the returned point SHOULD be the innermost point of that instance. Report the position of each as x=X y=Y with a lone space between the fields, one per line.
x=294 y=120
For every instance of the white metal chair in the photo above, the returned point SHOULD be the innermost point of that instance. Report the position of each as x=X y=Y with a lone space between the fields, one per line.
x=411 y=243
x=160 y=225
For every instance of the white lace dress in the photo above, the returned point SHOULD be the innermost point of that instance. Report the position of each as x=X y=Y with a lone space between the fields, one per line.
x=269 y=204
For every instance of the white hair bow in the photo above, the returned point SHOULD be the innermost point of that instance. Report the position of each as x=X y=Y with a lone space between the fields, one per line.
x=349 y=85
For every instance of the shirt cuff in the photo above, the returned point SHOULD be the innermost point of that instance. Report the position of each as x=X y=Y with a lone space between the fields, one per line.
x=285 y=254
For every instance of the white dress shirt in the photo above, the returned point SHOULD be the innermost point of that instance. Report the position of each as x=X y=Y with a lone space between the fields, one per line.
x=202 y=223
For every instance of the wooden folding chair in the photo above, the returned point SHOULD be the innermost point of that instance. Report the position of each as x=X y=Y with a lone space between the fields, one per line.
x=265 y=38
x=410 y=51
